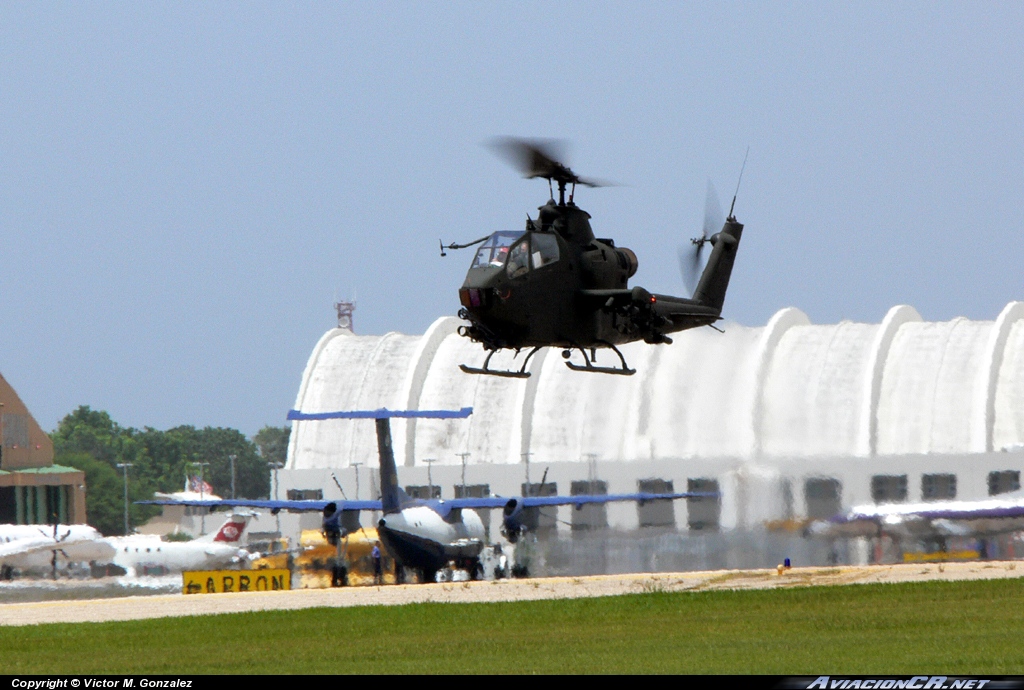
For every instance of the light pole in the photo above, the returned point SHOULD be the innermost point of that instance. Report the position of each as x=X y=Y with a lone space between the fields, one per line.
x=277 y=514
x=124 y=466
x=591 y=470
x=526 y=459
x=355 y=466
x=202 y=483
x=232 y=459
x=463 y=456
x=430 y=479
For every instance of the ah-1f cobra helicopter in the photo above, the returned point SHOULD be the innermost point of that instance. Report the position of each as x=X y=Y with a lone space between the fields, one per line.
x=556 y=285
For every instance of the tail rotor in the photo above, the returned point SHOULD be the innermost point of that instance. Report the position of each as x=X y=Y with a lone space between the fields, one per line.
x=690 y=258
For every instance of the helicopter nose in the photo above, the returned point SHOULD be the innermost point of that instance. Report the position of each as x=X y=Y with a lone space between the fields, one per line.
x=471 y=297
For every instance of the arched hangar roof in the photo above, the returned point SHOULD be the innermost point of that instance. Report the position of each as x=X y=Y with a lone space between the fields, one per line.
x=787 y=389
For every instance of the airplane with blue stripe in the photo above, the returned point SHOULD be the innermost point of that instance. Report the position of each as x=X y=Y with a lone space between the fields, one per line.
x=424 y=535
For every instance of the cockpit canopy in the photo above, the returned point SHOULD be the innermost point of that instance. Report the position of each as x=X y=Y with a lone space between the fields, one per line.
x=494 y=251
x=518 y=252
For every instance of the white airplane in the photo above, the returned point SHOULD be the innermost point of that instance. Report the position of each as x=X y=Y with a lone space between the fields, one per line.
x=931 y=523
x=425 y=535
x=143 y=554
x=39 y=547
x=929 y=520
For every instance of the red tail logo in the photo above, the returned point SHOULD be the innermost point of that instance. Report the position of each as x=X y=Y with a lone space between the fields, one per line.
x=231 y=531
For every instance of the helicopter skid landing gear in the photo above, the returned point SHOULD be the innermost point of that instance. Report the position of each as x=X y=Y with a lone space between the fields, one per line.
x=521 y=374
x=589 y=366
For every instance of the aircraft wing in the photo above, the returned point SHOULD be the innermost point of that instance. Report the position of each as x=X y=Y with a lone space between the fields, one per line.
x=271 y=505
x=453 y=503
x=532 y=501
x=939 y=518
x=541 y=501
x=42 y=543
x=24 y=547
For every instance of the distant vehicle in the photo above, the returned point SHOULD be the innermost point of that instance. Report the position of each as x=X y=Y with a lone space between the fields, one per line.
x=45 y=547
x=144 y=554
x=932 y=522
x=424 y=535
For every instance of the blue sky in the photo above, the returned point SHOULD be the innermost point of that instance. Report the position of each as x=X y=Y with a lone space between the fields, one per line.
x=185 y=188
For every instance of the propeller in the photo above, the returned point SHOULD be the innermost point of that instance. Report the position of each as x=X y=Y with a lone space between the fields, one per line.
x=540 y=158
x=690 y=258
x=57 y=540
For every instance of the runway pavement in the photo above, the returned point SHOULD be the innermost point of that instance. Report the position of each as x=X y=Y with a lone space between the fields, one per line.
x=159 y=606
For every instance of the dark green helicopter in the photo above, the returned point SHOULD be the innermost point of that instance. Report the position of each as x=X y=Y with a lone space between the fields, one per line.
x=556 y=285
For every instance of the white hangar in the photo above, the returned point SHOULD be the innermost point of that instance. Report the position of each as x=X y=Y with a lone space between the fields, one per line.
x=766 y=412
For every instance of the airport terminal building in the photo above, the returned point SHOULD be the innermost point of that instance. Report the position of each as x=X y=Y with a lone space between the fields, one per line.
x=33 y=491
x=788 y=420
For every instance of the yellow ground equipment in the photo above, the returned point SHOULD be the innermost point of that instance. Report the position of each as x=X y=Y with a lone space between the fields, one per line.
x=315 y=560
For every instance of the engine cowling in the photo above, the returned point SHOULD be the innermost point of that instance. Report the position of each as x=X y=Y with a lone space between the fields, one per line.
x=628 y=261
x=338 y=524
x=331 y=525
x=512 y=520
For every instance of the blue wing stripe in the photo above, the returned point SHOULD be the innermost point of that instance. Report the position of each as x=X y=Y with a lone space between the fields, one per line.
x=382 y=413
x=292 y=506
x=532 y=501
x=470 y=503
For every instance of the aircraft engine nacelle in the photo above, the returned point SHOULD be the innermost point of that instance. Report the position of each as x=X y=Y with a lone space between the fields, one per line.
x=628 y=261
x=512 y=520
x=338 y=523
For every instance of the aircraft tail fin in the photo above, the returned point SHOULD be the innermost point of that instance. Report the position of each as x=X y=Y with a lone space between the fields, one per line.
x=392 y=496
x=231 y=531
x=714 y=281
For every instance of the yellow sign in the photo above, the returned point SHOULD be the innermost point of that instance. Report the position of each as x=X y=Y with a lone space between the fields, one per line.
x=218 y=581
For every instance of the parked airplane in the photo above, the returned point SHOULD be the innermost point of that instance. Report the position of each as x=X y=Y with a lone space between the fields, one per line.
x=931 y=522
x=39 y=547
x=148 y=554
x=424 y=535
x=989 y=516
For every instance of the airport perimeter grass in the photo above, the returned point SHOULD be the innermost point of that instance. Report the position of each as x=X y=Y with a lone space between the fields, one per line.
x=933 y=627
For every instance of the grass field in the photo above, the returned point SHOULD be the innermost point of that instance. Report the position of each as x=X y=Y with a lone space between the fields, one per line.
x=937 y=627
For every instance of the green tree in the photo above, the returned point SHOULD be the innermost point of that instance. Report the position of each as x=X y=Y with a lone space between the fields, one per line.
x=161 y=460
x=216 y=445
x=104 y=492
x=272 y=443
x=91 y=441
x=89 y=431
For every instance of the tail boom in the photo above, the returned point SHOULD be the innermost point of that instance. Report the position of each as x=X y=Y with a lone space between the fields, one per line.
x=714 y=281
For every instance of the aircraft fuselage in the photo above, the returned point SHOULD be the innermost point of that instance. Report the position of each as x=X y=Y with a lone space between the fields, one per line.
x=427 y=537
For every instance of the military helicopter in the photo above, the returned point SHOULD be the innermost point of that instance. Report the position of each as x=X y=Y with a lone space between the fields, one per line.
x=556 y=285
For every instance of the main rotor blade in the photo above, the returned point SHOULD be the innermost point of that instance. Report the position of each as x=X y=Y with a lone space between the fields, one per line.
x=532 y=157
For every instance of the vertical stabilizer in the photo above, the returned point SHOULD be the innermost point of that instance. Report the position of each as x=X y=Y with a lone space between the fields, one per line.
x=714 y=281
x=391 y=495
x=231 y=531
